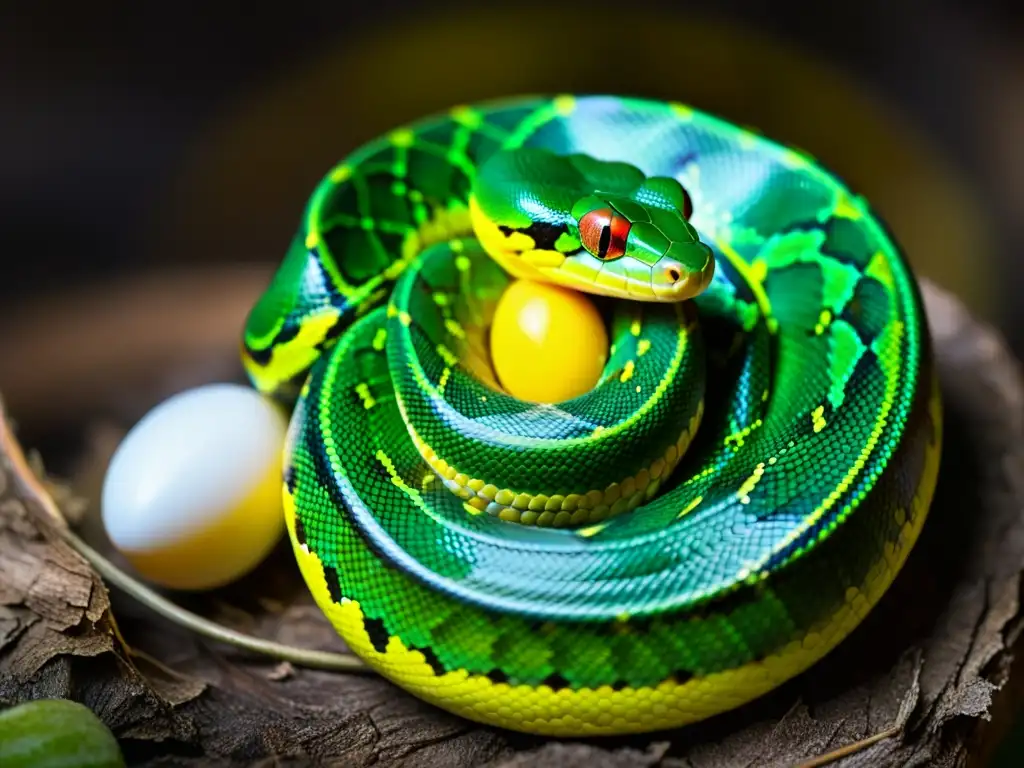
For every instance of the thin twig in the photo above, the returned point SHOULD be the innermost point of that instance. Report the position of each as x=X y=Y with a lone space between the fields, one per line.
x=300 y=656
x=150 y=598
x=850 y=749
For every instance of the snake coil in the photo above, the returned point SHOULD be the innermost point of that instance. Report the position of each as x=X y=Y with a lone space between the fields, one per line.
x=725 y=506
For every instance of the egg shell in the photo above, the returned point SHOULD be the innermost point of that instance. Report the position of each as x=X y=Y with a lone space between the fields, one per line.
x=548 y=343
x=192 y=495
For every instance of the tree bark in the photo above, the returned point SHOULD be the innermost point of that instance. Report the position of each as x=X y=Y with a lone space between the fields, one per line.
x=930 y=673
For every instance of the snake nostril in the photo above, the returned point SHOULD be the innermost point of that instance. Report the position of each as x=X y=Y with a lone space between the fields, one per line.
x=673 y=274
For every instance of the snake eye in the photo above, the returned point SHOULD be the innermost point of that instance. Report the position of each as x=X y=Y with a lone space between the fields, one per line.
x=603 y=232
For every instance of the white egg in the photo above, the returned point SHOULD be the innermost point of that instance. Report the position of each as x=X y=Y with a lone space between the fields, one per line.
x=192 y=496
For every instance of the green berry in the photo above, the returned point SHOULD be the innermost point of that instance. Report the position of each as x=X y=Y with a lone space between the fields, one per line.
x=56 y=733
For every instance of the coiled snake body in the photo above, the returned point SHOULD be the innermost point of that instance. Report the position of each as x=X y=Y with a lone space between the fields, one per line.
x=727 y=503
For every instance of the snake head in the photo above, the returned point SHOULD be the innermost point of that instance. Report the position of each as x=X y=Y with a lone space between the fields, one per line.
x=644 y=239
x=592 y=225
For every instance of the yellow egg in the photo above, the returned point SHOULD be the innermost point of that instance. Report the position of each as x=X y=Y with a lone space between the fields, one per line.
x=548 y=343
x=192 y=496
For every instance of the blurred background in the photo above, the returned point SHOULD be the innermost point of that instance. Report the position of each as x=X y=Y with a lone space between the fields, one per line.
x=151 y=157
x=139 y=135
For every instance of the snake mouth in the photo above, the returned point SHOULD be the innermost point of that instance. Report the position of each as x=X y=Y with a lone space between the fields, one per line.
x=678 y=284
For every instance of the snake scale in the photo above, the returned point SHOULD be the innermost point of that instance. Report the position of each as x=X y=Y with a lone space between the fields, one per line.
x=723 y=507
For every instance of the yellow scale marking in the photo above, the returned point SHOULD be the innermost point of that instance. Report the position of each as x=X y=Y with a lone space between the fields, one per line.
x=743 y=494
x=297 y=353
x=740 y=436
x=690 y=507
x=363 y=390
x=818 y=419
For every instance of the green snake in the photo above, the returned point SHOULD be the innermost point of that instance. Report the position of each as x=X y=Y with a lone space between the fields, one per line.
x=723 y=507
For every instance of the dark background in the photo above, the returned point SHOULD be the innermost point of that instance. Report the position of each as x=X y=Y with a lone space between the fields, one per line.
x=159 y=136
x=107 y=111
